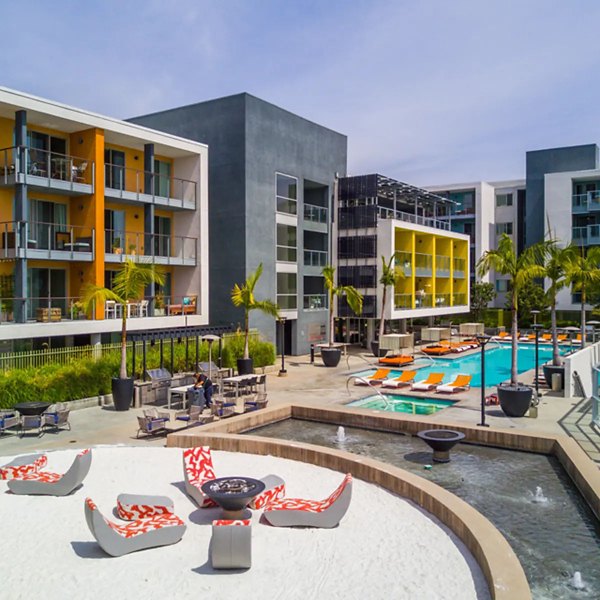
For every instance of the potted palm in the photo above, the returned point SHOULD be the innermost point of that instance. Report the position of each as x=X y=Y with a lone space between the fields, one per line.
x=582 y=271
x=515 y=398
x=388 y=278
x=243 y=296
x=128 y=286
x=331 y=355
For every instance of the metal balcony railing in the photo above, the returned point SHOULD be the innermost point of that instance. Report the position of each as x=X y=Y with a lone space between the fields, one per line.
x=442 y=300
x=403 y=301
x=588 y=234
x=316 y=214
x=585 y=202
x=119 y=179
x=403 y=261
x=442 y=266
x=315 y=258
x=128 y=243
x=390 y=213
x=315 y=301
x=423 y=264
x=460 y=267
x=423 y=300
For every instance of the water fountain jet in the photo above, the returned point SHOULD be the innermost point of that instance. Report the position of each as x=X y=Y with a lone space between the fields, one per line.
x=340 y=436
x=539 y=496
x=577 y=581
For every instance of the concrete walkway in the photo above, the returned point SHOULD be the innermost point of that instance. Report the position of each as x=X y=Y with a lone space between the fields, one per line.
x=316 y=384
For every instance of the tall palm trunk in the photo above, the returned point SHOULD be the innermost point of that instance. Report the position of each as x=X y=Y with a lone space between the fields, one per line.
x=247 y=333
x=583 y=315
x=123 y=369
x=331 y=319
x=382 y=321
x=555 y=351
x=515 y=349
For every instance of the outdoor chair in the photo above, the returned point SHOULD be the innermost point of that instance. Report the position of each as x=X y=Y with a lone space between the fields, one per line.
x=432 y=381
x=117 y=540
x=405 y=379
x=150 y=426
x=156 y=415
x=274 y=490
x=57 y=416
x=197 y=469
x=257 y=402
x=22 y=465
x=78 y=172
x=193 y=416
x=223 y=409
x=231 y=544
x=461 y=384
x=29 y=422
x=45 y=483
x=297 y=512
x=8 y=420
x=376 y=378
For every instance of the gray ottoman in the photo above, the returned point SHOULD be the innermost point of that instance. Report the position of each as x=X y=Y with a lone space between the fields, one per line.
x=131 y=507
x=231 y=544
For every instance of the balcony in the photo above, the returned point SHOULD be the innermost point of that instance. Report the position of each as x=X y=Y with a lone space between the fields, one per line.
x=287 y=254
x=460 y=268
x=423 y=264
x=315 y=214
x=46 y=241
x=583 y=203
x=159 y=249
x=442 y=300
x=403 y=301
x=587 y=235
x=128 y=185
x=403 y=262
x=459 y=300
x=315 y=301
x=390 y=213
x=44 y=170
x=315 y=258
x=442 y=266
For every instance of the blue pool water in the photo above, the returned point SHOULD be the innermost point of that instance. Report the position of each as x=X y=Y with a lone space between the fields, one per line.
x=403 y=404
x=497 y=364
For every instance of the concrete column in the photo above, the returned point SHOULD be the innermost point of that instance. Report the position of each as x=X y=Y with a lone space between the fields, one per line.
x=149 y=188
x=21 y=216
x=370 y=331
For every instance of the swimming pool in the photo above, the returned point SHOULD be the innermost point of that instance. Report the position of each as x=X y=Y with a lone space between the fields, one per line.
x=403 y=404
x=497 y=364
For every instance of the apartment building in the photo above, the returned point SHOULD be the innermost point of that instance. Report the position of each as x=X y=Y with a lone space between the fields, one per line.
x=272 y=177
x=80 y=193
x=379 y=216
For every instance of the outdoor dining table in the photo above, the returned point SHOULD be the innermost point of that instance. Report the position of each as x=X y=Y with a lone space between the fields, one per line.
x=236 y=381
x=180 y=390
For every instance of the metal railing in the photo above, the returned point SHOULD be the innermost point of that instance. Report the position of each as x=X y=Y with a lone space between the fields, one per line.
x=42 y=309
x=129 y=243
x=460 y=300
x=403 y=301
x=45 y=164
x=586 y=201
x=588 y=234
x=315 y=301
x=390 y=213
x=287 y=253
x=442 y=265
x=316 y=214
x=315 y=258
x=119 y=179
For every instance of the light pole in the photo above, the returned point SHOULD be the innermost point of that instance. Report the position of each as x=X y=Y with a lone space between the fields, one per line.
x=483 y=339
x=536 y=327
x=535 y=314
x=282 y=371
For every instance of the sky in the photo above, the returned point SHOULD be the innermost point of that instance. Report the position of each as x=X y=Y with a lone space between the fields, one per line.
x=427 y=91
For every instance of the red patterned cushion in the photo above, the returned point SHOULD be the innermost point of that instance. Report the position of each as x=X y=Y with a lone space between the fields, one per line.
x=268 y=496
x=225 y=522
x=43 y=477
x=130 y=512
x=19 y=472
x=199 y=469
x=144 y=525
x=309 y=505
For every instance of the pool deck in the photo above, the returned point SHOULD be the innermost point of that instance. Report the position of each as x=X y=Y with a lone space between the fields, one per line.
x=314 y=384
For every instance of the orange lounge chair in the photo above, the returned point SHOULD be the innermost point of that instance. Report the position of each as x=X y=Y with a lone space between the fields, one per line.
x=377 y=377
x=406 y=378
x=577 y=340
x=431 y=382
x=461 y=384
x=562 y=337
x=437 y=350
x=397 y=361
x=546 y=337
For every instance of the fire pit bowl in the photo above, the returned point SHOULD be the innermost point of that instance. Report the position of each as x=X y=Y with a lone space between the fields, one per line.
x=441 y=441
x=233 y=494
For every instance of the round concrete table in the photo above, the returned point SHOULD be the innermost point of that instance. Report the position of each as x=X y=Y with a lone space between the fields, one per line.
x=233 y=494
x=31 y=408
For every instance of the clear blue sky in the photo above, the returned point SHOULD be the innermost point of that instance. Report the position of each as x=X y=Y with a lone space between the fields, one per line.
x=427 y=91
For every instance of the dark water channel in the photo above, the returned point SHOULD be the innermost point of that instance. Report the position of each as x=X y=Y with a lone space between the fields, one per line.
x=553 y=534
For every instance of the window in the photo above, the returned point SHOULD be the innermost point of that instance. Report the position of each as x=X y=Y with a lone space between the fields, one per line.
x=287 y=291
x=504 y=228
x=162 y=178
x=114 y=223
x=362 y=246
x=504 y=200
x=502 y=285
x=46 y=220
x=46 y=152
x=287 y=194
x=287 y=243
x=162 y=239
x=114 y=169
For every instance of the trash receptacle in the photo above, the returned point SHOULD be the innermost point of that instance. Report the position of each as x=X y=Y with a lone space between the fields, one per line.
x=556 y=382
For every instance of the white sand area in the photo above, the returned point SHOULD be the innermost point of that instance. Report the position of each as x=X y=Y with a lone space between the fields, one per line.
x=385 y=547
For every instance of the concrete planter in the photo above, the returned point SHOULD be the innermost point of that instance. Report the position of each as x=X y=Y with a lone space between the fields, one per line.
x=550 y=370
x=515 y=400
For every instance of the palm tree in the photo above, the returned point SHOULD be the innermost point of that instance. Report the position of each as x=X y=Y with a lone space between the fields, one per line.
x=128 y=286
x=582 y=271
x=389 y=277
x=354 y=297
x=520 y=269
x=243 y=295
x=555 y=269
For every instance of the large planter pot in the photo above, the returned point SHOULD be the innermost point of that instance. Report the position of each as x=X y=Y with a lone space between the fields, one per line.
x=550 y=370
x=245 y=366
x=122 y=392
x=376 y=350
x=515 y=400
x=331 y=356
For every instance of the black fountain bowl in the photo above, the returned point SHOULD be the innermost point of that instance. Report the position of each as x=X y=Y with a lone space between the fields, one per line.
x=233 y=493
x=441 y=440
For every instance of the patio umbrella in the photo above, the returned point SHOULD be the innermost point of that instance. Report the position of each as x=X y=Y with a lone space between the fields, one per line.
x=210 y=338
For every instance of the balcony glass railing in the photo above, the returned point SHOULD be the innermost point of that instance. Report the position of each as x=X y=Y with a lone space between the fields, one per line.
x=287 y=254
x=442 y=300
x=45 y=236
x=442 y=266
x=315 y=258
x=586 y=201
x=403 y=301
x=390 y=213
x=119 y=179
x=403 y=262
x=315 y=301
x=51 y=166
x=460 y=266
x=128 y=243
x=316 y=214
x=460 y=300
x=423 y=300
x=423 y=264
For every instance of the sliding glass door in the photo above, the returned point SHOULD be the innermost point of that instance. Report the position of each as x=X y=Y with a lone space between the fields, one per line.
x=114 y=169
x=47 y=289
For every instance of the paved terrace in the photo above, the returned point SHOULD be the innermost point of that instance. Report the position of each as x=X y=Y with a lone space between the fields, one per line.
x=318 y=385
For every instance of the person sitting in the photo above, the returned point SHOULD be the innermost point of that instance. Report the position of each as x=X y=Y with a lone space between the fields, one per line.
x=204 y=384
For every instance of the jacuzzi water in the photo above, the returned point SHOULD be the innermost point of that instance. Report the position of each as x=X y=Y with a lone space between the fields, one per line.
x=553 y=539
x=404 y=404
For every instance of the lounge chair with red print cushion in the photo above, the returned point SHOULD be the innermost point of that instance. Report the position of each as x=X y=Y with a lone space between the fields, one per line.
x=117 y=540
x=198 y=469
x=297 y=512
x=274 y=490
x=23 y=465
x=45 y=483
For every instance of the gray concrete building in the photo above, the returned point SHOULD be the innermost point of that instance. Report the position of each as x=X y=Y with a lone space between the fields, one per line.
x=272 y=177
